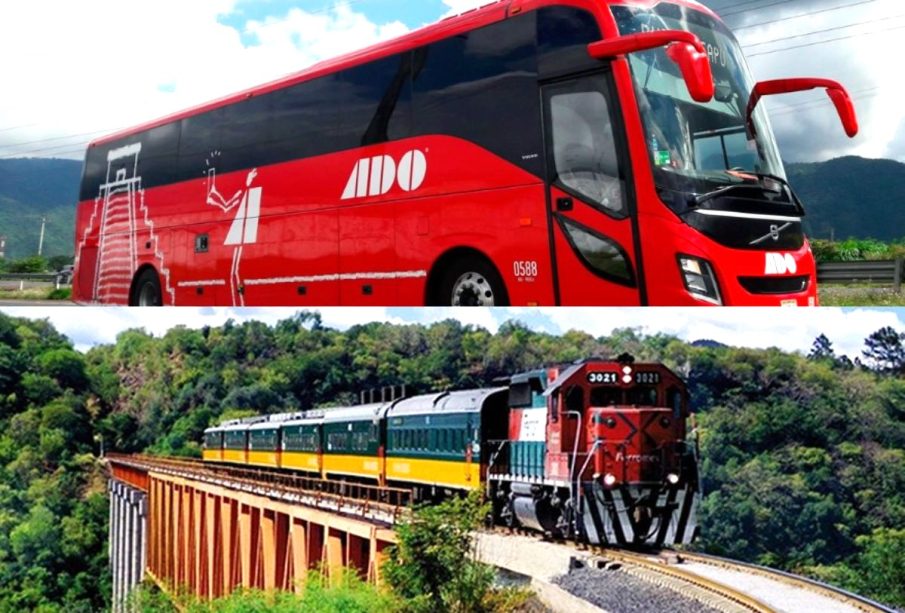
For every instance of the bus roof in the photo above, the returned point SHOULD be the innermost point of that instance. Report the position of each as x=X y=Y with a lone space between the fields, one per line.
x=486 y=15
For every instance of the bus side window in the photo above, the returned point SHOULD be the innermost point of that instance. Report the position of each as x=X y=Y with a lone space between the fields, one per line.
x=459 y=81
x=376 y=102
x=563 y=36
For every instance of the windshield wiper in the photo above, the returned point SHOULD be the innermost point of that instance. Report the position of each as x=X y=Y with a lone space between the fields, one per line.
x=698 y=200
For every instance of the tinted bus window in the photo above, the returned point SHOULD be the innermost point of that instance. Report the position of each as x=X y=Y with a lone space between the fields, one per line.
x=460 y=83
x=376 y=102
x=563 y=36
x=305 y=119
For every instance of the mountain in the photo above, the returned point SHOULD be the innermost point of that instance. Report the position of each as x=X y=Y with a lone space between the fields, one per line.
x=848 y=197
x=852 y=197
x=32 y=189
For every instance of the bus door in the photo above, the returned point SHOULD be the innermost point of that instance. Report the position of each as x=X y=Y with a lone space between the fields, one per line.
x=589 y=194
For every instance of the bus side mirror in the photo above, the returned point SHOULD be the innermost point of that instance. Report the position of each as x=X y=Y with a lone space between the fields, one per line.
x=834 y=90
x=683 y=48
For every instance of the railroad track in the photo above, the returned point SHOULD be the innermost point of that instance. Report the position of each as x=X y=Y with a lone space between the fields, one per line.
x=385 y=505
x=804 y=584
x=729 y=585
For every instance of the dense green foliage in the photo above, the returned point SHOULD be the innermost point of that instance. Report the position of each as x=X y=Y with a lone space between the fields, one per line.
x=435 y=567
x=53 y=506
x=348 y=594
x=853 y=250
x=803 y=459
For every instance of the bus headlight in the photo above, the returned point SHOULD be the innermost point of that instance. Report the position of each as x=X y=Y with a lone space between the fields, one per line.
x=699 y=279
x=609 y=480
x=673 y=478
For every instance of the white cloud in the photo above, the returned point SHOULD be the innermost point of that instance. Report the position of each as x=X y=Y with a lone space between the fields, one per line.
x=791 y=330
x=862 y=63
x=100 y=65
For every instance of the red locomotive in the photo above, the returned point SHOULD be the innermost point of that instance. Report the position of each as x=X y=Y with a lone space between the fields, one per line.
x=599 y=450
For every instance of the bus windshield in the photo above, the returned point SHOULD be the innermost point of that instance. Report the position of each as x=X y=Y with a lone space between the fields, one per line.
x=697 y=148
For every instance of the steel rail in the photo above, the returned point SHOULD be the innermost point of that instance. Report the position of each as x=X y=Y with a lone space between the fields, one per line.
x=805 y=583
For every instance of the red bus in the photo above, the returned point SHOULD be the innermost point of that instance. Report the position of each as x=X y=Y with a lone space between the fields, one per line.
x=532 y=152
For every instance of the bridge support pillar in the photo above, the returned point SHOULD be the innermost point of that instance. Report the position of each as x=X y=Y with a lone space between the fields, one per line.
x=128 y=541
x=208 y=540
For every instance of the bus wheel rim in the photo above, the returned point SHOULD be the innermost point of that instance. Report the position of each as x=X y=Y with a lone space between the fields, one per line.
x=148 y=295
x=472 y=289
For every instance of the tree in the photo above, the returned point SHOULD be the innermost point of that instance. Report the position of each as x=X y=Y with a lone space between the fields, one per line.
x=434 y=565
x=885 y=351
x=822 y=349
x=880 y=562
x=34 y=264
x=66 y=366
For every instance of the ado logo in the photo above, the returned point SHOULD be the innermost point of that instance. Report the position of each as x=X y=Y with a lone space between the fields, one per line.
x=781 y=264
x=376 y=176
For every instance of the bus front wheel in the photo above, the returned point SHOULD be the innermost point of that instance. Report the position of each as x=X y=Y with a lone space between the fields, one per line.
x=146 y=290
x=472 y=282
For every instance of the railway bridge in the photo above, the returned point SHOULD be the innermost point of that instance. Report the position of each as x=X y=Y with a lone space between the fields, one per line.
x=207 y=530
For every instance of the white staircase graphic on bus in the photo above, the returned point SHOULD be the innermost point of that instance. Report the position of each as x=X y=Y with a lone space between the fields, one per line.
x=119 y=210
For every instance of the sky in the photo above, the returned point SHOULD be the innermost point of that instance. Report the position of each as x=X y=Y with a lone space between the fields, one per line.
x=788 y=329
x=72 y=71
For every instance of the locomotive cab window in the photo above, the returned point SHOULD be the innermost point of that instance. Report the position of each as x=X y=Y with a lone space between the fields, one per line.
x=605 y=396
x=574 y=399
x=642 y=395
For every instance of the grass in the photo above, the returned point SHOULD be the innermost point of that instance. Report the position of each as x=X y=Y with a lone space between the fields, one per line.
x=860 y=296
x=36 y=294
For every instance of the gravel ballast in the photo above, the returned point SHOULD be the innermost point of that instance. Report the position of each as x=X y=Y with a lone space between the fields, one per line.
x=616 y=591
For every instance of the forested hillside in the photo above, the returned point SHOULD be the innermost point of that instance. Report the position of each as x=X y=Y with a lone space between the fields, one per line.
x=35 y=189
x=852 y=197
x=802 y=456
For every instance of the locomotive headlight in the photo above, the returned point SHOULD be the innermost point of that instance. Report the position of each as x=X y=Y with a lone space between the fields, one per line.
x=609 y=479
x=673 y=478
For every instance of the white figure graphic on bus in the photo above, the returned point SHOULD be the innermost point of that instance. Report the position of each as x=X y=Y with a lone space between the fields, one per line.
x=244 y=230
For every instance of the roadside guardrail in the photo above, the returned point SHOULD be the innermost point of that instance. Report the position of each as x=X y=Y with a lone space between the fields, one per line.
x=887 y=272
x=58 y=279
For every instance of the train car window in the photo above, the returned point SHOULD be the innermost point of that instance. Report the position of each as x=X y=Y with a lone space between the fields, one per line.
x=674 y=400
x=444 y=440
x=520 y=395
x=575 y=399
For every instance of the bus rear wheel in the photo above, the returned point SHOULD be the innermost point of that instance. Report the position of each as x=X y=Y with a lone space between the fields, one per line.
x=146 y=290
x=472 y=282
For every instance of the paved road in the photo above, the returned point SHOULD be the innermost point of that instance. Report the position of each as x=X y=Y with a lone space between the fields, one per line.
x=34 y=303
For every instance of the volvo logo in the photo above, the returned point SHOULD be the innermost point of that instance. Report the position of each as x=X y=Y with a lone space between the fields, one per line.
x=376 y=176
x=775 y=233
